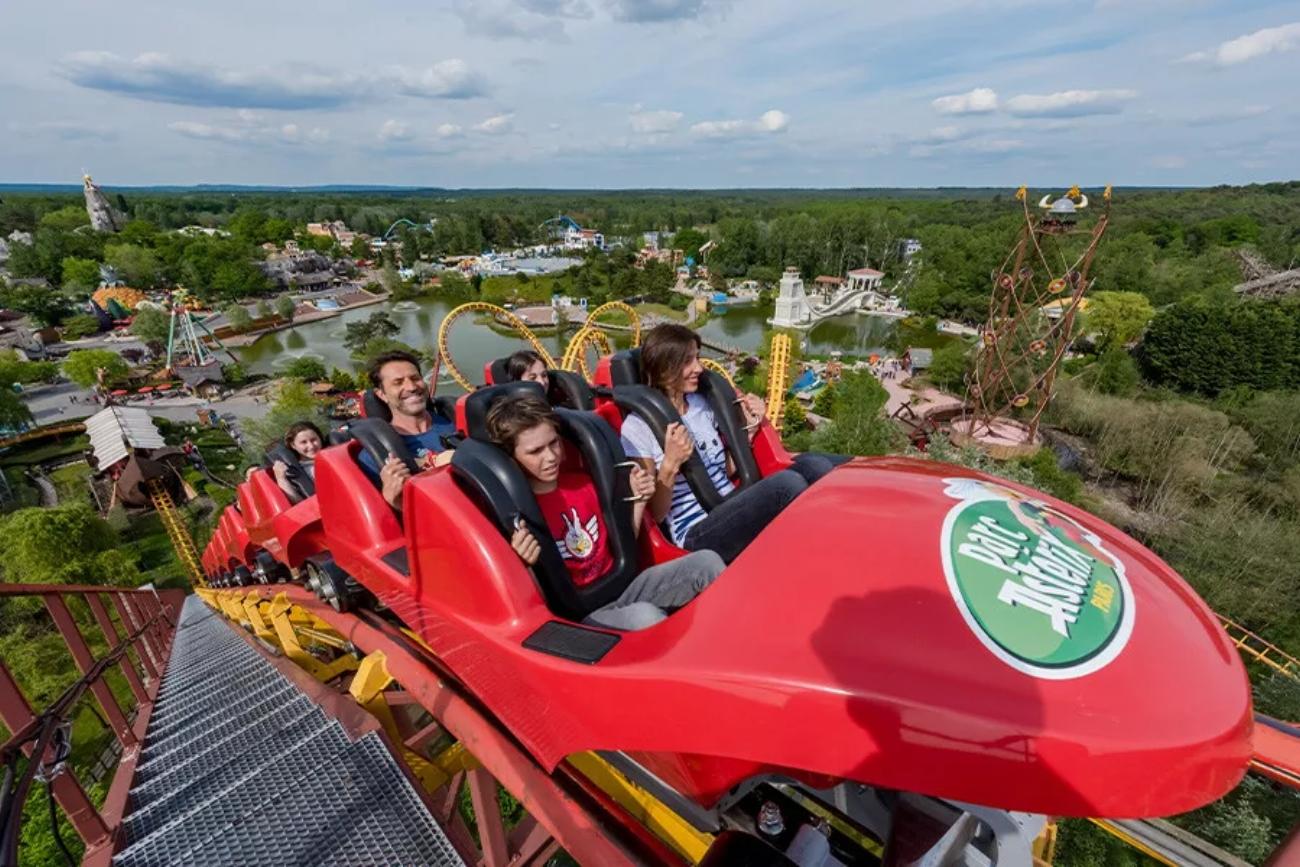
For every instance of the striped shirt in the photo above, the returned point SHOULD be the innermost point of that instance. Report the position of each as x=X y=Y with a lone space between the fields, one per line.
x=640 y=442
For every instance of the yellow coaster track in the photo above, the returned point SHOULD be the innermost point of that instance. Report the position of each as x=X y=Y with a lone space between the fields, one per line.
x=1261 y=650
x=180 y=536
x=501 y=315
x=634 y=318
x=575 y=354
x=778 y=374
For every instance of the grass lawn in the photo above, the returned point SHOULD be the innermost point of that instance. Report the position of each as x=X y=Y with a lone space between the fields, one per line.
x=650 y=308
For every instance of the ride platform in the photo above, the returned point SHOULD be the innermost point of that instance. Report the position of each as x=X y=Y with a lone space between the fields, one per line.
x=249 y=762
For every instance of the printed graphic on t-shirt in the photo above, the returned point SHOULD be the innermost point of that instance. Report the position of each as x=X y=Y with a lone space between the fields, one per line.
x=580 y=537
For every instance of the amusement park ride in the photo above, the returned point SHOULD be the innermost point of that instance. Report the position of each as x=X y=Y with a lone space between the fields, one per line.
x=914 y=663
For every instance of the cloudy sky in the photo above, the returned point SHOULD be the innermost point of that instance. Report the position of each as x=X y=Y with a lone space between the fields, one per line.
x=651 y=93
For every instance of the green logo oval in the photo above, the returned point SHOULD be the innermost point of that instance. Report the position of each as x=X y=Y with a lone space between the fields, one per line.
x=1037 y=588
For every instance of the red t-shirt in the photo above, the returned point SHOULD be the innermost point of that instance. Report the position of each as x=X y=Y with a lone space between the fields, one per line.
x=572 y=513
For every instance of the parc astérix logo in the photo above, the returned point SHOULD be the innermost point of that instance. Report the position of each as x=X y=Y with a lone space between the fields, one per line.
x=1038 y=589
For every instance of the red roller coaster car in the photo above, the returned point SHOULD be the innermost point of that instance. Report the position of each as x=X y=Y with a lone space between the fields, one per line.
x=904 y=626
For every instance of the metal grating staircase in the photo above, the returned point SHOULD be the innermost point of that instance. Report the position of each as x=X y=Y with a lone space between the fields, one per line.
x=240 y=767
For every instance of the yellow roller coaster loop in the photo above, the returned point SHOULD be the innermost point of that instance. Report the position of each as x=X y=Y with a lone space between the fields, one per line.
x=575 y=354
x=717 y=367
x=634 y=318
x=501 y=315
x=778 y=373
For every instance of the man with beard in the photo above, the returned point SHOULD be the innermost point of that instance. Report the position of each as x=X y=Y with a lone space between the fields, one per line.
x=398 y=382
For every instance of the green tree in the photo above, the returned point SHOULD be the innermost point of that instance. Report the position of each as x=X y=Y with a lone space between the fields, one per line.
x=264 y=310
x=824 y=401
x=1118 y=318
x=793 y=416
x=81 y=325
x=1116 y=373
x=14 y=414
x=344 y=381
x=949 y=365
x=66 y=219
x=858 y=426
x=285 y=307
x=377 y=325
x=234 y=374
x=137 y=266
x=13 y=370
x=82 y=366
x=44 y=306
x=689 y=241
x=151 y=325
x=80 y=274
x=359 y=249
x=306 y=368
x=62 y=544
x=239 y=318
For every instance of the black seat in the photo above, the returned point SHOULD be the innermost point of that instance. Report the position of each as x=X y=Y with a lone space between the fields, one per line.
x=631 y=396
x=567 y=388
x=477 y=404
x=495 y=482
x=294 y=470
x=379 y=439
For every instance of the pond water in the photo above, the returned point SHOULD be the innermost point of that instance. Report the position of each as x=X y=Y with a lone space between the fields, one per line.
x=473 y=345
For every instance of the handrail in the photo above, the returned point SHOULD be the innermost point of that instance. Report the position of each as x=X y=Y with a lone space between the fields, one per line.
x=148 y=619
x=1260 y=649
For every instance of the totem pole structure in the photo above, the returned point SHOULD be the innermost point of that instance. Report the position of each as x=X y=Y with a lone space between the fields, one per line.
x=1037 y=295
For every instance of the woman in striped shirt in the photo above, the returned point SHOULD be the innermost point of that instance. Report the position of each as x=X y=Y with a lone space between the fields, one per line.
x=670 y=362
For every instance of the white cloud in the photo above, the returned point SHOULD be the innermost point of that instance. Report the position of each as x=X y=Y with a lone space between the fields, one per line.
x=1231 y=115
x=395 y=130
x=654 y=122
x=155 y=77
x=981 y=100
x=250 y=128
x=448 y=130
x=446 y=79
x=496 y=125
x=1069 y=103
x=1270 y=40
x=1169 y=161
x=771 y=121
x=65 y=130
x=641 y=11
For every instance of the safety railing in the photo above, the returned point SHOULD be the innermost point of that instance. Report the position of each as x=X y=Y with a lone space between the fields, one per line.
x=137 y=627
x=1261 y=650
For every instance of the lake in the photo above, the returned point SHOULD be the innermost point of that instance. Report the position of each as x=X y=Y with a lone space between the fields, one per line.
x=473 y=345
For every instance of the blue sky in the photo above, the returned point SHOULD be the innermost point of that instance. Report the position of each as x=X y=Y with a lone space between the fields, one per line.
x=651 y=93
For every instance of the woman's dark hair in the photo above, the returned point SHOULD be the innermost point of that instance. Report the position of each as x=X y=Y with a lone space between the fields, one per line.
x=298 y=427
x=507 y=419
x=517 y=364
x=664 y=353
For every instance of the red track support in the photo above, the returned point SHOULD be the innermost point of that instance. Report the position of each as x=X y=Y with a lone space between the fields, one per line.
x=149 y=623
x=109 y=629
x=85 y=662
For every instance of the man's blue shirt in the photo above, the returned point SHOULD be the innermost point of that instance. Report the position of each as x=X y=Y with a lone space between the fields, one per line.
x=420 y=445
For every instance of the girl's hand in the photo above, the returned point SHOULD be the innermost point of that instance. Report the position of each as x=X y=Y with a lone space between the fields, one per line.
x=678 y=446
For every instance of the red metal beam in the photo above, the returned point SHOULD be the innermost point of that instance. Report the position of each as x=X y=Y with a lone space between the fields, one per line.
x=85 y=661
x=109 y=629
x=132 y=625
x=17 y=714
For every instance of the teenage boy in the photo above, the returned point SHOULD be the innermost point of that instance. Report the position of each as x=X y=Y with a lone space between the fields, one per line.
x=528 y=430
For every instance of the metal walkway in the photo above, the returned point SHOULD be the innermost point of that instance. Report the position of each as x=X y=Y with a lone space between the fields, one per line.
x=240 y=767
